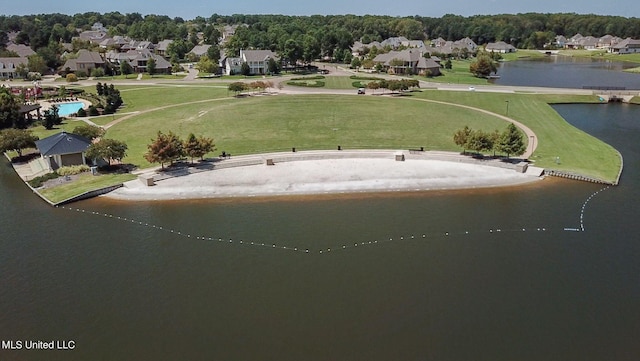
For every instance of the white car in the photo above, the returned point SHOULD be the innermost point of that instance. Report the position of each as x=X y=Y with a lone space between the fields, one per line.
x=472 y=88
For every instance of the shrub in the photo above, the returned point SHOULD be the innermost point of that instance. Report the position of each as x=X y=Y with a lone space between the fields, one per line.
x=93 y=111
x=97 y=72
x=315 y=84
x=73 y=169
x=39 y=181
x=71 y=78
x=81 y=113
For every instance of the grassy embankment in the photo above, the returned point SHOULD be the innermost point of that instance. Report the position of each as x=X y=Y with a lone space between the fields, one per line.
x=260 y=124
x=266 y=124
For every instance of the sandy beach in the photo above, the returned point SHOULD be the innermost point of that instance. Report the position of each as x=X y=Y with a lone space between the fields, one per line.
x=326 y=176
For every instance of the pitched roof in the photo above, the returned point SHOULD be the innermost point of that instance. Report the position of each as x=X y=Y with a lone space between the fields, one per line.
x=200 y=50
x=22 y=50
x=12 y=63
x=86 y=56
x=163 y=45
x=500 y=45
x=62 y=143
x=257 y=55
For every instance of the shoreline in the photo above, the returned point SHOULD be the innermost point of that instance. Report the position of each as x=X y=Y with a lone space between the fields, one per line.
x=328 y=176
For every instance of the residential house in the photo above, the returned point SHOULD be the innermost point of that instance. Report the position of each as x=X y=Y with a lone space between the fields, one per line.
x=85 y=62
x=63 y=149
x=358 y=48
x=626 y=46
x=500 y=47
x=94 y=36
x=198 y=51
x=161 y=47
x=232 y=66
x=9 y=67
x=139 y=59
x=409 y=61
x=441 y=46
x=22 y=50
x=394 y=42
x=560 y=41
x=258 y=60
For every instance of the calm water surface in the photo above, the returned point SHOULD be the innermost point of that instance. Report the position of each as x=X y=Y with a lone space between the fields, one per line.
x=126 y=291
x=567 y=72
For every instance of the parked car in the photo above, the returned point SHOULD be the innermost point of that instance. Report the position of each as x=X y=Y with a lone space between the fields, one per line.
x=361 y=91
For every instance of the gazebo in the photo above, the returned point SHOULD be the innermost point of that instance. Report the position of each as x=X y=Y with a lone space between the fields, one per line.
x=63 y=149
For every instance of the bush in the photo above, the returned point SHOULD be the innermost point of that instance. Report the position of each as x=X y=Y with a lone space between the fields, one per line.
x=81 y=113
x=93 y=111
x=315 y=84
x=73 y=170
x=97 y=72
x=39 y=181
x=71 y=78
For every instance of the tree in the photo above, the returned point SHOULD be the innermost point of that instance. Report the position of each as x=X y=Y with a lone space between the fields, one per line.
x=198 y=147
x=109 y=149
x=9 y=109
x=16 y=140
x=483 y=66
x=151 y=66
x=479 y=141
x=36 y=63
x=273 y=66
x=373 y=85
x=88 y=131
x=237 y=87
x=125 y=68
x=511 y=141
x=51 y=117
x=99 y=89
x=245 y=69
x=165 y=148
x=206 y=65
x=461 y=137
x=448 y=65
x=356 y=63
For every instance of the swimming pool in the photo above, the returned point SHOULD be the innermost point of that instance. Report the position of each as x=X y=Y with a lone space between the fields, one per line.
x=65 y=109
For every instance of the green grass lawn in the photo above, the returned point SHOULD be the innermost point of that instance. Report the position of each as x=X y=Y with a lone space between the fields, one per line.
x=262 y=124
x=602 y=54
x=278 y=123
x=83 y=184
x=458 y=74
x=579 y=151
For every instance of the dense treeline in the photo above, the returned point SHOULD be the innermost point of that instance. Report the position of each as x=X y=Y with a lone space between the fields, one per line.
x=306 y=36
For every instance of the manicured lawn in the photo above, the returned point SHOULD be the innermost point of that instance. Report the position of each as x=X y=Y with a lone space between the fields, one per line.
x=278 y=123
x=83 y=184
x=579 y=151
x=601 y=54
x=458 y=74
x=522 y=54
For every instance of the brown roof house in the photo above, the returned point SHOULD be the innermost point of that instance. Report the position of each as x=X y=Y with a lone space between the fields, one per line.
x=85 y=61
x=500 y=47
x=63 y=149
x=627 y=46
x=409 y=61
x=22 y=50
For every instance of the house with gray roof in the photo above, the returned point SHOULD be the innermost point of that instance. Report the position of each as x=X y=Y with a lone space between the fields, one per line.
x=161 y=47
x=199 y=50
x=626 y=46
x=138 y=60
x=63 y=149
x=500 y=47
x=9 y=67
x=258 y=60
x=85 y=62
x=22 y=50
x=409 y=61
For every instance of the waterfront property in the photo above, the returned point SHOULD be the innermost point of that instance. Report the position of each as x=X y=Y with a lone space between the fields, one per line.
x=62 y=149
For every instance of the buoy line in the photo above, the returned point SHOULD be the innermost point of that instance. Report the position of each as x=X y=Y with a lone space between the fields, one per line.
x=339 y=247
x=586 y=203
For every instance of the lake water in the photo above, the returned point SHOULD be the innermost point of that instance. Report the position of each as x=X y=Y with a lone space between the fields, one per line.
x=461 y=275
x=567 y=72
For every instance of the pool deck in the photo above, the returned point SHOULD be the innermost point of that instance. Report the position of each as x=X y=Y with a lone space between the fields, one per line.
x=46 y=104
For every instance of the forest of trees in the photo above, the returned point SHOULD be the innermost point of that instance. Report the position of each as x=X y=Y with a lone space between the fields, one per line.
x=307 y=36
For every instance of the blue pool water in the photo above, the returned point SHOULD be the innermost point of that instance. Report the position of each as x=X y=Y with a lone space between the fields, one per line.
x=65 y=109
